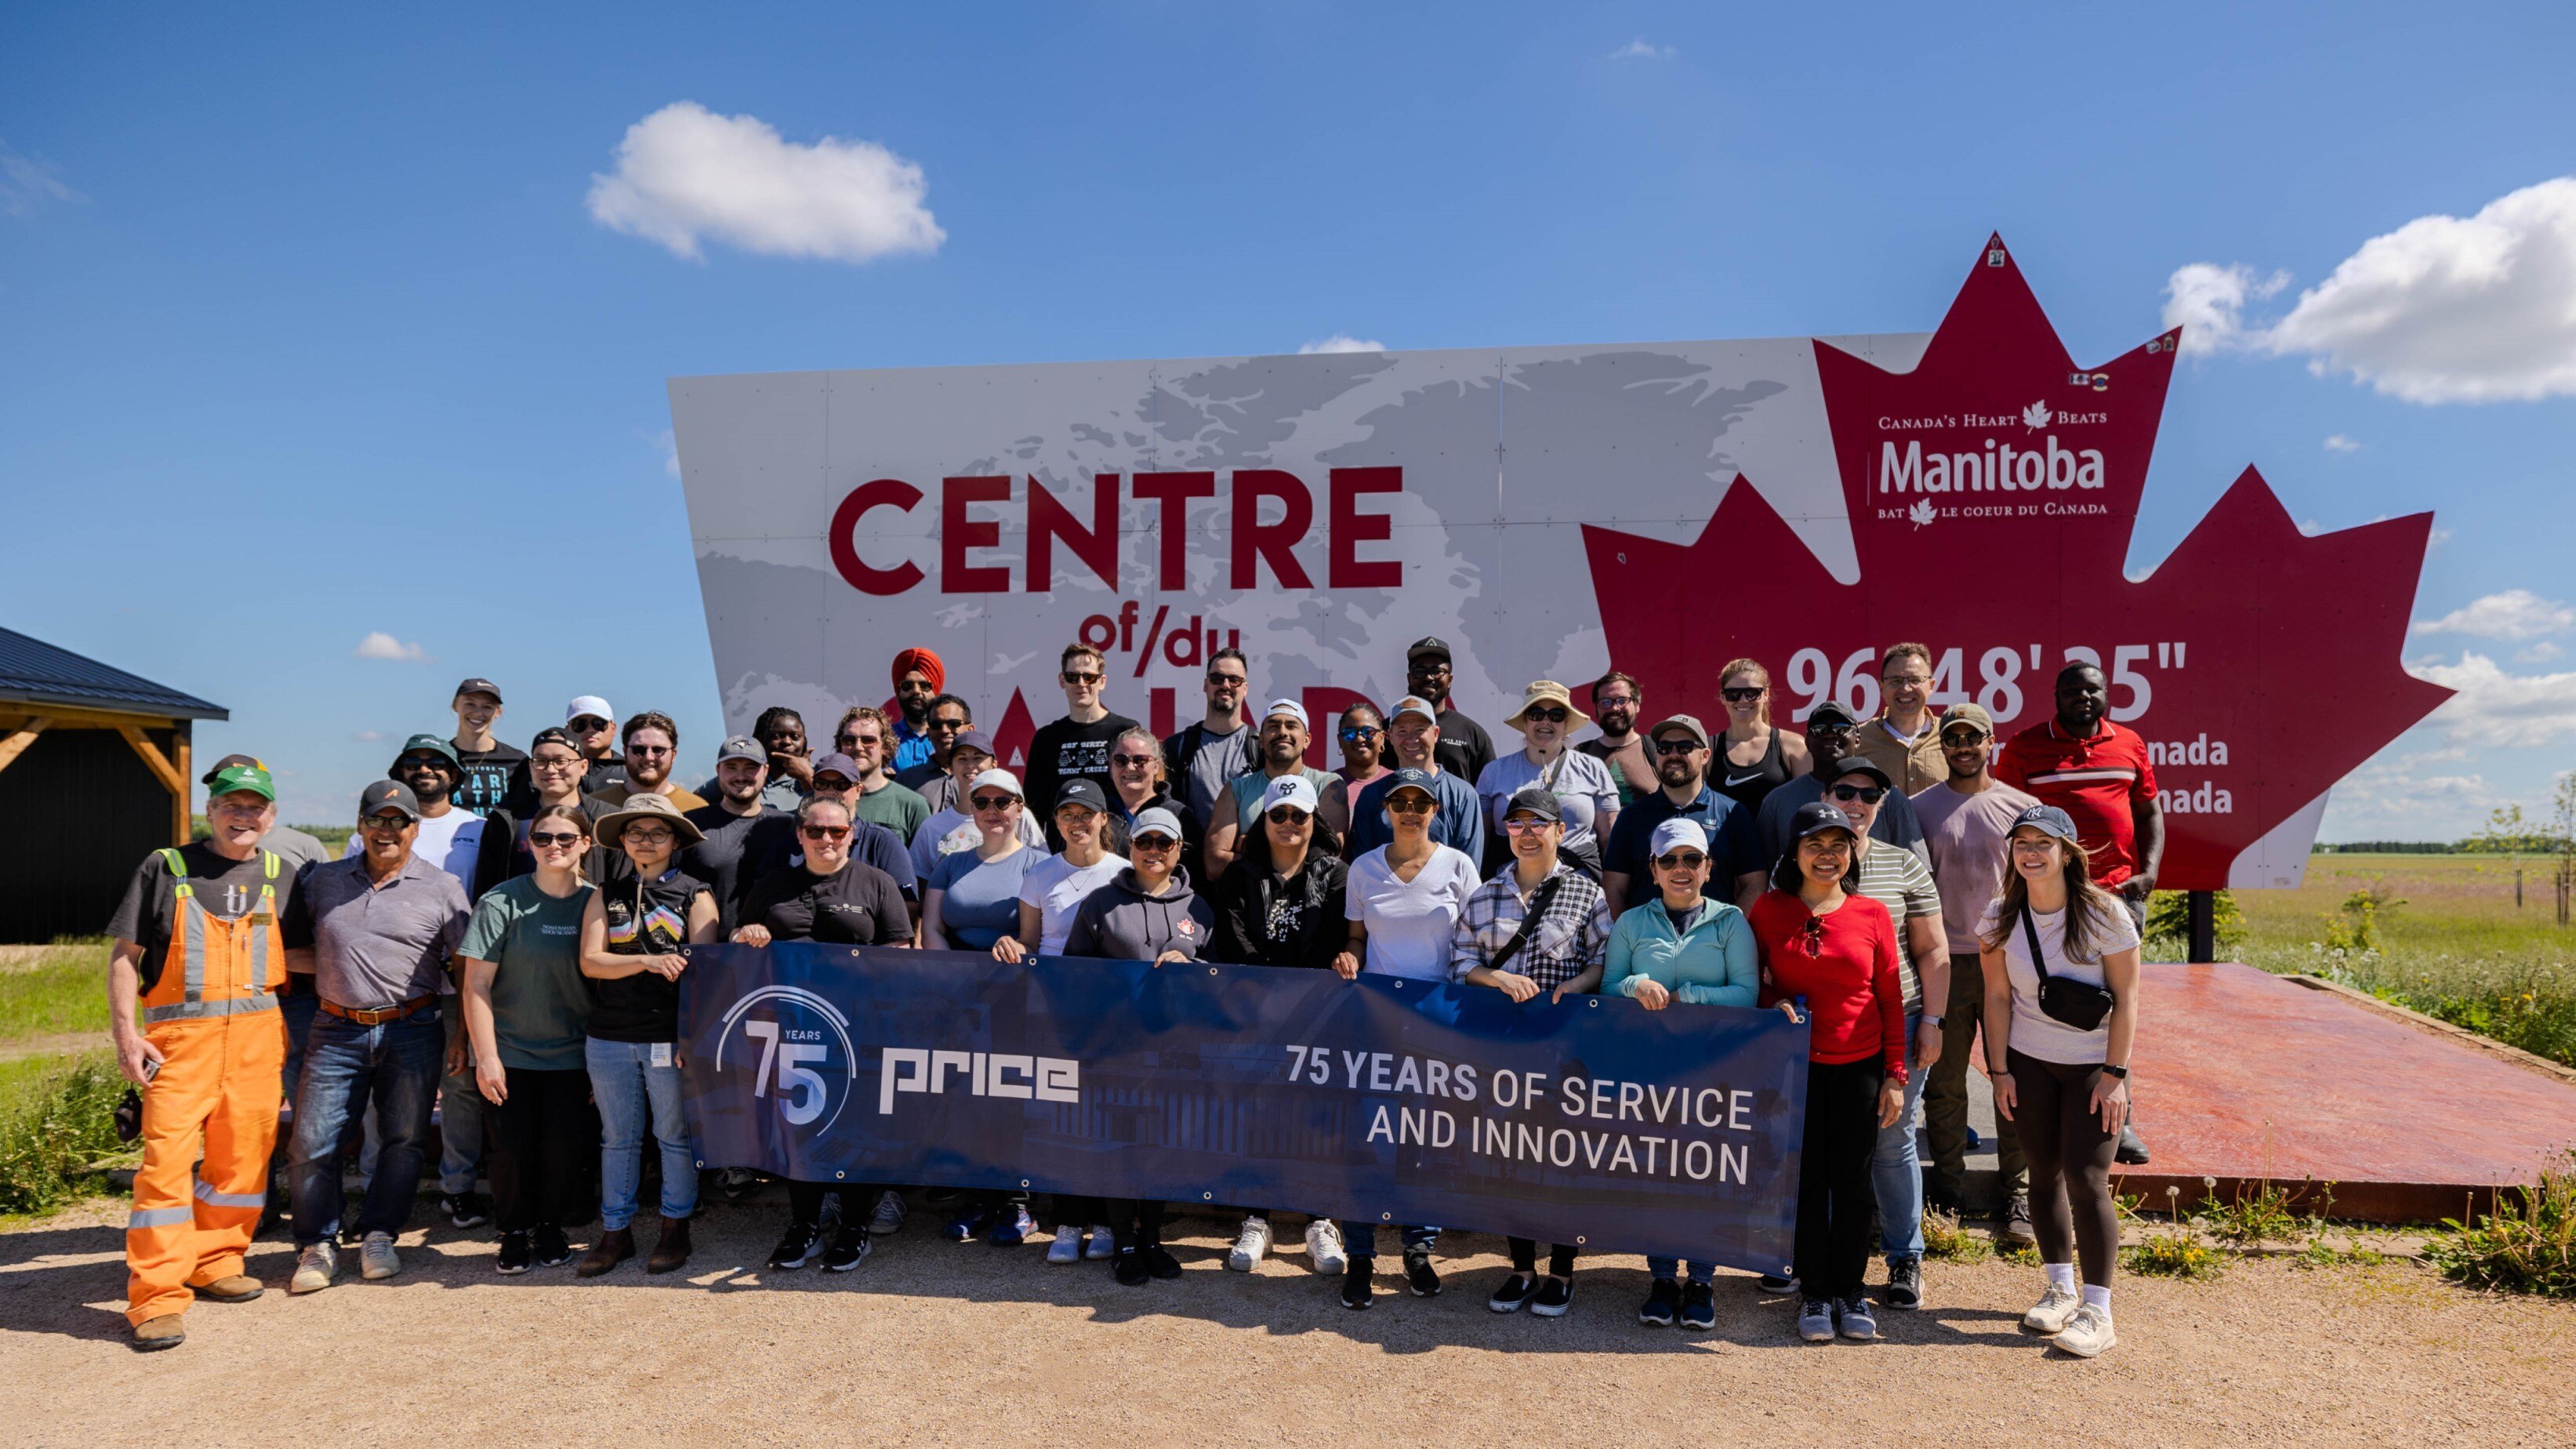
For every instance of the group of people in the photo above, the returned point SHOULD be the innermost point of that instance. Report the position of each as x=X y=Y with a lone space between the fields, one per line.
x=506 y=933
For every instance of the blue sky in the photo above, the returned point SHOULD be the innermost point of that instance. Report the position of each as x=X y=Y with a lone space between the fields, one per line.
x=307 y=333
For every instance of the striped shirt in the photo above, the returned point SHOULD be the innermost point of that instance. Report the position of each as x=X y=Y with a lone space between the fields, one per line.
x=2097 y=780
x=1899 y=880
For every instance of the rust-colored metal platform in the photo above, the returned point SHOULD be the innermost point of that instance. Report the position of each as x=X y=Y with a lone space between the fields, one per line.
x=2247 y=1077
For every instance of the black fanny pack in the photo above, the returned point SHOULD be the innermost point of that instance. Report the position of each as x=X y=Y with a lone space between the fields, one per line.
x=2079 y=1004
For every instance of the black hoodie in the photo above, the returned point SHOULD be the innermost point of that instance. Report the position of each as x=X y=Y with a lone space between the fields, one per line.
x=1254 y=904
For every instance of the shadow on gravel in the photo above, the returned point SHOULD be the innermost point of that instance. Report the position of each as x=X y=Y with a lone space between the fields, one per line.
x=70 y=1281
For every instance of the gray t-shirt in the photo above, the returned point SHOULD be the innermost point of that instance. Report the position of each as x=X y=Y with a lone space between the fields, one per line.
x=294 y=847
x=1219 y=761
x=376 y=946
x=1965 y=836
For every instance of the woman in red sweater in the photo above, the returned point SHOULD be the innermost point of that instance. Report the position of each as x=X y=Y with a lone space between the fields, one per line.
x=1822 y=940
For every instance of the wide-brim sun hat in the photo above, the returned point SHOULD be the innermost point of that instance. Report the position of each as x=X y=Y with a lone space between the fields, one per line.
x=1548 y=691
x=612 y=826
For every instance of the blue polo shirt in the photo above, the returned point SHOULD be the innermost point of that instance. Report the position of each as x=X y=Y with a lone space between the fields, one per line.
x=1734 y=847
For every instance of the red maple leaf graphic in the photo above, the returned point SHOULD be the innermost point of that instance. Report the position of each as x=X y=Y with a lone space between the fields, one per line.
x=1991 y=493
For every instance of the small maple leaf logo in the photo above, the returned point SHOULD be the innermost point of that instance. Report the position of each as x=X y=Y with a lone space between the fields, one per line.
x=1921 y=513
x=2036 y=416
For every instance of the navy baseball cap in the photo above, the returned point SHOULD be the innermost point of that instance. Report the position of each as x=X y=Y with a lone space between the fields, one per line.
x=2048 y=820
x=1083 y=792
x=388 y=792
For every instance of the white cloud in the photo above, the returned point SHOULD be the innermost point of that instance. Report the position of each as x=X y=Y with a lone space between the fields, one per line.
x=686 y=175
x=370 y=736
x=2514 y=711
x=1341 y=342
x=2443 y=309
x=1638 y=49
x=2513 y=614
x=26 y=183
x=2403 y=797
x=380 y=645
x=2338 y=443
x=669 y=444
x=2540 y=653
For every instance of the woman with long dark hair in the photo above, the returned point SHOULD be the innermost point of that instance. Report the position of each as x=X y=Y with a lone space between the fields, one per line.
x=2060 y=959
x=1820 y=939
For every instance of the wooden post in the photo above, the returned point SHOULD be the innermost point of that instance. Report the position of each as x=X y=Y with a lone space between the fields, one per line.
x=2200 y=911
x=182 y=821
x=163 y=771
x=16 y=744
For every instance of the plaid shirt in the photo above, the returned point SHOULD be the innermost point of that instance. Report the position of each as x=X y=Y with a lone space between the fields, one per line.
x=1567 y=941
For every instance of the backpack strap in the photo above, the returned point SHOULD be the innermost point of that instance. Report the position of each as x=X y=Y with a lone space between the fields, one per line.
x=1539 y=901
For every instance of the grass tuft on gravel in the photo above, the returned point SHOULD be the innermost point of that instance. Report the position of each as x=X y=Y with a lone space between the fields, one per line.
x=2529 y=1248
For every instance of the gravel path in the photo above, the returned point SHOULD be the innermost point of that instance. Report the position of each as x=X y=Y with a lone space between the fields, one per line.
x=933 y=1343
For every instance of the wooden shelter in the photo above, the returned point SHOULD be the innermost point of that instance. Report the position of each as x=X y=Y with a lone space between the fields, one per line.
x=95 y=771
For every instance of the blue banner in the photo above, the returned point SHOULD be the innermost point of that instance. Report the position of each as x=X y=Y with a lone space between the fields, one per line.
x=1592 y=1122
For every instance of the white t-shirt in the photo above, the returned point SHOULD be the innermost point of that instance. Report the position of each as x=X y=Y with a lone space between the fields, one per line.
x=1409 y=922
x=452 y=842
x=949 y=831
x=2034 y=1032
x=1056 y=887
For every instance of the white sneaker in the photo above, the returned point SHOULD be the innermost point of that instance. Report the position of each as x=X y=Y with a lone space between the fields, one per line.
x=1067 y=1247
x=2087 y=1333
x=2047 y=1318
x=1104 y=1243
x=1250 y=1246
x=1324 y=1247
x=888 y=1218
x=315 y=1267
x=376 y=1257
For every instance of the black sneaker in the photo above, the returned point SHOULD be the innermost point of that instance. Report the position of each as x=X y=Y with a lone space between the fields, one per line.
x=1159 y=1262
x=2017 y=1226
x=737 y=1183
x=466 y=1209
x=796 y=1249
x=1514 y=1292
x=1420 y=1276
x=551 y=1249
x=849 y=1248
x=1662 y=1302
x=1699 y=1307
x=1904 y=1284
x=1777 y=1286
x=1129 y=1266
x=516 y=1254
x=1554 y=1296
x=2133 y=1148
x=1357 y=1290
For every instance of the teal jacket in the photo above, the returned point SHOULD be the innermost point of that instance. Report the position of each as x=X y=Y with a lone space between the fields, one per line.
x=1711 y=964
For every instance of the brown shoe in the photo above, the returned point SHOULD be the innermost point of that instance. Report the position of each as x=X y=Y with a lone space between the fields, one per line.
x=165 y=1331
x=615 y=1246
x=671 y=1249
x=239 y=1288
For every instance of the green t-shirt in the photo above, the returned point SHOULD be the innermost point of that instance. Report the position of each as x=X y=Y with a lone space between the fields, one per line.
x=540 y=999
x=897 y=808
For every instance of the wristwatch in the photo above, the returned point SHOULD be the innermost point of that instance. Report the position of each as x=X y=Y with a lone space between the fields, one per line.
x=2111 y=1071
x=1935 y=1022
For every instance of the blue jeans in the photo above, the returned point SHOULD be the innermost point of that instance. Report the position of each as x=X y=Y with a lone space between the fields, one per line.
x=1895 y=1171
x=347 y=1067
x=1671 y=1268
x=633 y=1093
x=1360 y=1239
x=460 y=1113
x=297 y=1012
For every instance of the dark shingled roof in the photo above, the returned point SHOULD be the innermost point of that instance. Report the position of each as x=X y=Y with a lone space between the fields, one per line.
x=33 y=672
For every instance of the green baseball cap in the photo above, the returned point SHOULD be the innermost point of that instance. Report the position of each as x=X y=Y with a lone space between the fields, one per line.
x=249 y=775
x=432 y=744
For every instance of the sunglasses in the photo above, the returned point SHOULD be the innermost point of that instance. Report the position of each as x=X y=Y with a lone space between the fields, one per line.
x=822 y=832
x=1865 y=794
x=1235 y=680
x=389 y=824
x=947 y=724
x=1412 y=805
x=1131 y=762
x=1553 y=714
x=554 y=837
x=996 y=802
x=1813 y=934
x=1287 y=815
x=852 y=742
x=1677 y=747
x=1157 y=841
x=1686 y=859
x=1073 y=677
x=1353 y=734
x=648 y=751
x=587 y=724
x=1744 y=693
x=1526 y=824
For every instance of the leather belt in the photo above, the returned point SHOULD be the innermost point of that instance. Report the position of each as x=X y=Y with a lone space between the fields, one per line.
x=376 y=1016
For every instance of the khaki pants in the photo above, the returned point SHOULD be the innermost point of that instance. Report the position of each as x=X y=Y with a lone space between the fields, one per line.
x=1945 y=1093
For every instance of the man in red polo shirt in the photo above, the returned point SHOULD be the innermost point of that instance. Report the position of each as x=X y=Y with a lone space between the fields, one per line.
x=2099 y=774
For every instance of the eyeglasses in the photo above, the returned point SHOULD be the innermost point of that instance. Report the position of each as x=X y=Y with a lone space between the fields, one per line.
x=1287 y=815
x=1155 y=842
x=1685 y=859
x=1865 y=794
x=946 y=724
x=1412 y=805
x=1745 y=693
x=1526 y=824
x=1614 y=701
x=1677 y=747
x=389 y=824
x=1132 y=762
x=555 y=762
x=1553 y=714
x=648 y=750
x=1077 y=677
x=589 y=724
x=996 y=802
x=1912 y=681
x=647 y=835
x=1354 y=734
x=543 y=838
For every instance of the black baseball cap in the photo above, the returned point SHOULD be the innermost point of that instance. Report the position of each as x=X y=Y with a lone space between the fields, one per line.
x=388 y=792
x=226 y=763
x=1816 y=818
x=1428 y=644
x=1083 y=792
x=477 y=686
x=556 y=735
x=1860 y=765
x=1535 y=800
x=1831 y=712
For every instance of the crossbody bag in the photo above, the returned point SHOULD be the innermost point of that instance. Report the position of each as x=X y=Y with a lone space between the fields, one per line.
x=2079 y=1004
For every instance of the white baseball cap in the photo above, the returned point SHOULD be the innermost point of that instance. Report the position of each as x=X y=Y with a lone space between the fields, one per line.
x=995 y=778
x=1288 y=707
x=1294 y=790
x=1677 y=834
x=589 y=704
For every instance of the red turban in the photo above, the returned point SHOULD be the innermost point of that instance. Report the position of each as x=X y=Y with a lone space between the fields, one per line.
x=923 y=660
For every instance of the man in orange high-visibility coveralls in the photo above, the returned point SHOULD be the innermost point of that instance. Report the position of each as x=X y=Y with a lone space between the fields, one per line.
x=199 y=952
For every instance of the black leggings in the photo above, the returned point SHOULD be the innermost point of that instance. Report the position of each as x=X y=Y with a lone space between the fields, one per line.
x=1135 y=1221
x=858 y=1203
x=1560 y=1257
x=2070 y=1158
x=538 y=1139
x=1835 y=1199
